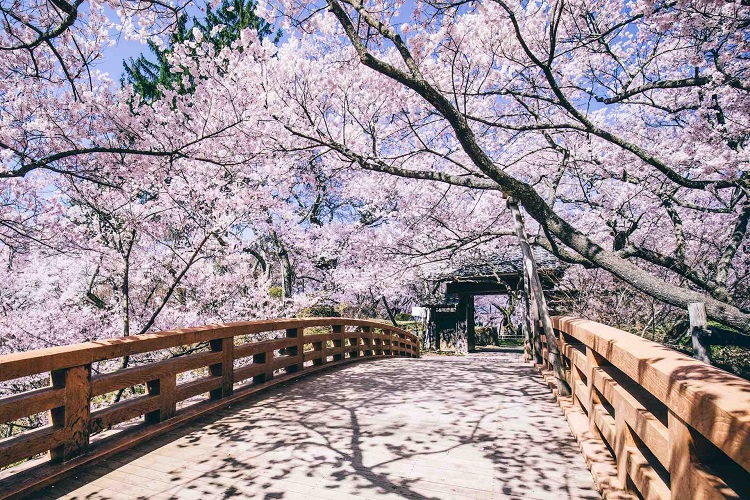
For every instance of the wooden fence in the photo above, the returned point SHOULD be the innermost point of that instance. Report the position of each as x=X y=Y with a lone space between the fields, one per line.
x=675 y=427
x=229 y=365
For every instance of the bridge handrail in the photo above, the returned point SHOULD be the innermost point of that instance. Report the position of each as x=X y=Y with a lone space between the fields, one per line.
x=677 y=427
x=224 y=359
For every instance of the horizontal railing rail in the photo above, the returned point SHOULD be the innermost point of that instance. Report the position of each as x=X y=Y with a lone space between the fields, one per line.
x=222 y=361
x=676 y=427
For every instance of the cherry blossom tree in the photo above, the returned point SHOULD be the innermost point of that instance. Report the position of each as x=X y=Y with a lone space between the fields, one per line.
x=375 y=144
x=620 y=127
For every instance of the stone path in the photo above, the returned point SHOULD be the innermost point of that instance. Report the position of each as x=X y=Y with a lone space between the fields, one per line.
x=482 y=426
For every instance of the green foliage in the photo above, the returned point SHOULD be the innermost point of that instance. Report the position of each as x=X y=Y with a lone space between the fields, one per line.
x=403 y=317
x=147 y=76
x=276 y=292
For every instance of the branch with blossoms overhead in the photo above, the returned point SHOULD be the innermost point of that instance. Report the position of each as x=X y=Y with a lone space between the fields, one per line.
x=498 y=79
x=375 y=143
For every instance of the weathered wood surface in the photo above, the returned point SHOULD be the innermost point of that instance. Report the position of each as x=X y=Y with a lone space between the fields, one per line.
x=678 y=427
x=72 y=387
x=27 y=363
x=478 y=427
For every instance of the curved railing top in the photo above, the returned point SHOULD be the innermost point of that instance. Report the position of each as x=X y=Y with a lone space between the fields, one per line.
x=22 y=364
x=688 y=415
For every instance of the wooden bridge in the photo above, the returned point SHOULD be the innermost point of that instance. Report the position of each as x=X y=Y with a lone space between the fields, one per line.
x=214 y=413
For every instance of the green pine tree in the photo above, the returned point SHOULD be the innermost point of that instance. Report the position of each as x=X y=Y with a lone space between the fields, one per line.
x=146 y=76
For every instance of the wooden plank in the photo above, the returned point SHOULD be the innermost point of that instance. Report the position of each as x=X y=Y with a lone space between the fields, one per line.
x=137 y=375
x=604 y=422
x=708 y=399
x=29 y=443
x=123 y=411
x=643 y=423
x=30 y=403
x=245 y=350
x=320 y=337
x=313 y=355
x=264 y=359
x=689 y=478
x=284 y=362
x=249 y=371
x=378 y=347
x=27 y=363
x=198 y=386
x=644 y=477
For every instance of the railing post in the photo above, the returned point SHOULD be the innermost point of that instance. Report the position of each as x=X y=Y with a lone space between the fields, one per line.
x=367 y=340
x=225 y=369
x=688 y=450
x=338 y=343
x=320 y=348
x=163 y=387
x=624 y=439
x=594 y=361
x=355 y=342
x=75 y=415
x=378 y=343
x=297 y=349
x=263 y=358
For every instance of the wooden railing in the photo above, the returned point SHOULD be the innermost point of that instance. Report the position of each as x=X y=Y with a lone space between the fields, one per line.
x=676 y=428
x=229 y=366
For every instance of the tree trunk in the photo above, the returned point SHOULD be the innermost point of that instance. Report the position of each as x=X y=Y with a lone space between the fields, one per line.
x=388 y=310
x=287 y=272
x=534 y=204
x=535 y=284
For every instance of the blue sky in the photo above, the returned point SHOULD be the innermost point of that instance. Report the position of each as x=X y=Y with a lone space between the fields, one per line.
x=125 y=49
x=114 y=56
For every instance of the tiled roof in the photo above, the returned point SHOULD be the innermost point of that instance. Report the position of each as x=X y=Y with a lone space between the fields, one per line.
x=508 y=262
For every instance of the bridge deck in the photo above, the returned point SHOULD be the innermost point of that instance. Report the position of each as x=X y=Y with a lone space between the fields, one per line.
x=482 y=426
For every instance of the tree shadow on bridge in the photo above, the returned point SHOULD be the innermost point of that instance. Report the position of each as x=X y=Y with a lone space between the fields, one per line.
x=484 y=426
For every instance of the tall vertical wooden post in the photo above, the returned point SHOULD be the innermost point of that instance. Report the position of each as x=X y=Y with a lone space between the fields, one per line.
x=698 y=326
x=532 y=317
x=553 y=346
x=528 y=346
